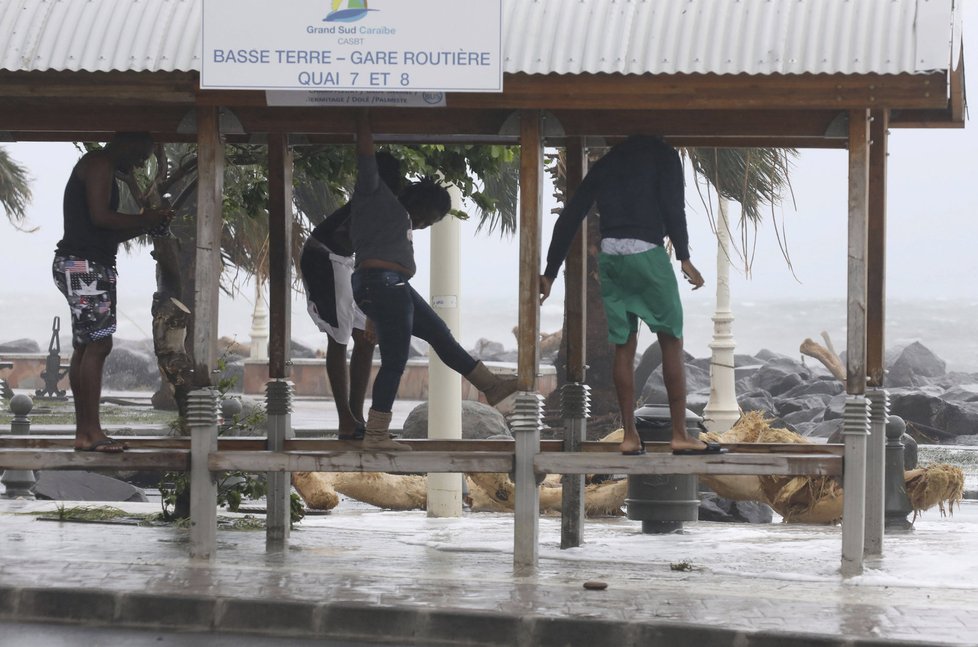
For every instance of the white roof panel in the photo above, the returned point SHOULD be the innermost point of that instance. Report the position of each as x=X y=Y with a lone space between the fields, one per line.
x=542 y=36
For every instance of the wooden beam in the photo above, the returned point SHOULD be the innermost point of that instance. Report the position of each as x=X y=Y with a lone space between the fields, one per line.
x=279 y=255
x=712 y=91
x=531 y=206
x=858 y=232
x=70 y=86
x=419 y=444
x=390 y=462
x=210 y=203
x=662 y=463
x=68 y=459
x=876 y=251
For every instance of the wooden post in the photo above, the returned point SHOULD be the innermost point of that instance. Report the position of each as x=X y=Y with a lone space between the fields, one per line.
x=876 y=250
x=531 y=205
x=876 y=333
x=202 y=401
x=856 y=425
x=279 y=389
x=575 y=392
x=528 y=409
x=279 y=254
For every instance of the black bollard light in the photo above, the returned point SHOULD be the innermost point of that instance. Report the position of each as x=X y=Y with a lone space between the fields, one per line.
x=897 y=503
x=662 y=501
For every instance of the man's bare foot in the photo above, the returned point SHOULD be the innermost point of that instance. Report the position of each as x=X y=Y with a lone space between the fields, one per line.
x=689 y=443
x=100 y=443
x=632 y=445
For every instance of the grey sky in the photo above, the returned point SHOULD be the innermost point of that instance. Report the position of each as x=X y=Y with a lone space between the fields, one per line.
x=932 y=235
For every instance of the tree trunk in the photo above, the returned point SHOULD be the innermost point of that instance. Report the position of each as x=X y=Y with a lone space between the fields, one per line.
x=171 y=319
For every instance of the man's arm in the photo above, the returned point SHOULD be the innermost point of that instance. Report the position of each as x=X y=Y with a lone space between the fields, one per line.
x=672 y=202
x=565 y=229
x=98 y=176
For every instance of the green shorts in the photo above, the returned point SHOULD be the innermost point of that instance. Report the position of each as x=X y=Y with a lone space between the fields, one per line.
x=640 y=286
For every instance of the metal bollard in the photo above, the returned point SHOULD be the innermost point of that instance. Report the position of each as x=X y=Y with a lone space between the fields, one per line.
x=19 y=484
x=662 y=501
x=897 y=505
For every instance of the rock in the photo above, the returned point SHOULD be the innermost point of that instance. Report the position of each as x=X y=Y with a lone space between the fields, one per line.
x=765 y=356
x=912 y=364
x=300 y=351
x=84 y=486
x=697 y=401
x=780 y=375
x=654 y=391
x=792 y=405
x=20 y=346
x=131 y=366
x=835 y=408
x=801 y=416
x=816 y=387
x=479 y=421
x=758 y=400
x=936 y=419
x=651 y=359
x=487 y=350
x=962 y=393
x=715 y=508
x=826 y=429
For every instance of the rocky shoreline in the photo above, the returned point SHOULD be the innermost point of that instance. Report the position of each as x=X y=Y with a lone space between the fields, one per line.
x=940 y=407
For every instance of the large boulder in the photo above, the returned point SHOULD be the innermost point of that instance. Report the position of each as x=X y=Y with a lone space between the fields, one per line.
x=654 y=391
x=936 y=419
x=913 y=365
x=825 y=429
x=962 y=393
x=758 y=400
x=479 y=421
x=713 y=507
x=780 y=375
x=17 y=346
x=131 y=366
x=84 y=486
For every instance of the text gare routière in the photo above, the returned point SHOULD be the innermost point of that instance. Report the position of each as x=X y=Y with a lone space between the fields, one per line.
x=323 y=76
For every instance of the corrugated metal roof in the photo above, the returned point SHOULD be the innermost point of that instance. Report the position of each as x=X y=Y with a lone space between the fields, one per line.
x=542 y=36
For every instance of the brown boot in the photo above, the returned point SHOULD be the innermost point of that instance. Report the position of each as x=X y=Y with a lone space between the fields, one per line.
x=376 y=437
x=495 y=388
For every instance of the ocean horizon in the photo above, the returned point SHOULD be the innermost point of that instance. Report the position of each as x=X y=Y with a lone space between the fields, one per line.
x=945 y=326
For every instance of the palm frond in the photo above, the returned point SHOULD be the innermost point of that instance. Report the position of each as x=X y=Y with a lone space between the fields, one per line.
x=15 y=190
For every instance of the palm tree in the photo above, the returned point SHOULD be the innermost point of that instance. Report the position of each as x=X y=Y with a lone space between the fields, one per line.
x=323 y=178
x=15 y=191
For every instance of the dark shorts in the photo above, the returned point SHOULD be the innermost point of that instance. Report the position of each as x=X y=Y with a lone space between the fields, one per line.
x=640 y=287
x=89 y=288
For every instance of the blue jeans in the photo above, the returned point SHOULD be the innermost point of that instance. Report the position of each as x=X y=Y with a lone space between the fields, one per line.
x=398 y=313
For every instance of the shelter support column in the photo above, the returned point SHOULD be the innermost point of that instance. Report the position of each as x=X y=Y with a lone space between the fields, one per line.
x=527 y=416
x=575 y=398
x=279 y=389
x=202 y=401
x=444 y=384
x=856 y=423
x=876 y=332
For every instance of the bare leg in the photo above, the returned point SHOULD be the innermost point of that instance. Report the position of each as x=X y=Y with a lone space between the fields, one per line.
x=674 y=376
x=339 y=383
x=624 y=375
x=361 y=361
x=85 y=376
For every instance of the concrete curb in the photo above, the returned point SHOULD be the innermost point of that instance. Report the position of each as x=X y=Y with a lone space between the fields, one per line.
x=405 y=625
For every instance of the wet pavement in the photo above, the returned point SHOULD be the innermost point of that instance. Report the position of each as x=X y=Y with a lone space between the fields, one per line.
x=362 y=574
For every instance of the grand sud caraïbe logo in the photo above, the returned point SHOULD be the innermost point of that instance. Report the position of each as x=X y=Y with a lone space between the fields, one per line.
x=347 y=11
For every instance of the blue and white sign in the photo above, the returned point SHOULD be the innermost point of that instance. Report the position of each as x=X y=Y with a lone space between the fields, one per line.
x=323 y=45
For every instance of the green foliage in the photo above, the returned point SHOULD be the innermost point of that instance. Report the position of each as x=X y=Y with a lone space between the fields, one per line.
x=15 y=190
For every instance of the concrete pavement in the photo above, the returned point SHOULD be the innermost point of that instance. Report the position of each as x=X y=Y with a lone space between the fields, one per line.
x=362 y=574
